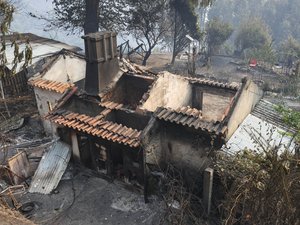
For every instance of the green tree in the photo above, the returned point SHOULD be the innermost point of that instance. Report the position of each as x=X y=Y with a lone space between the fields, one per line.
x=265 y=53
x=280 y=15
x=185 y=22
x=217 y=33
x=289 y=50
x=70 y=15
x=148 y=23
x=292 y=119
x=253 y=33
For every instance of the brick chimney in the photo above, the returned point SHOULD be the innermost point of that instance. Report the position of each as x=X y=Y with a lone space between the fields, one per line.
x=101 y=60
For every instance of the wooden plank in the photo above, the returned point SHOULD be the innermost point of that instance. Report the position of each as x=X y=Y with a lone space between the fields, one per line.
x=20 y=167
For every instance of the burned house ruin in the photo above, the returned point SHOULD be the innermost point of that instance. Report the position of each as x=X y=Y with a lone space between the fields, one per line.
x=124 y=122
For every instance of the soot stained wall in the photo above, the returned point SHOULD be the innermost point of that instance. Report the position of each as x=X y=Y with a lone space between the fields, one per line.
x=169 y=91
x=129 y=90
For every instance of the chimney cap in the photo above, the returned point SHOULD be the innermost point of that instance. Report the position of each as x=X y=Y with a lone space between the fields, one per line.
x=99 y=35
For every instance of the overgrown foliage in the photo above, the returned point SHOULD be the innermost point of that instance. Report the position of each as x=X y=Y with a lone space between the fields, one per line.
x=262 y=185
x=292 y=119
x=262 y=188
x=183 y=207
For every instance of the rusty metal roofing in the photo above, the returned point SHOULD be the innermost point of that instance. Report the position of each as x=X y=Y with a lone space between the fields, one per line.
x=49 y=85
x=232 y=86
x=51 y=168
x=96 y=126
x=189 y=117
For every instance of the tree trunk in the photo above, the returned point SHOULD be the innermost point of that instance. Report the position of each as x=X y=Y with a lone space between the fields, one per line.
x=91 y=23
x=174 y=37
x=146 y=57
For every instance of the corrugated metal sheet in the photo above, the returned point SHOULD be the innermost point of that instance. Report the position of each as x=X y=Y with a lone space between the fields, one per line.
x=189 y=117
x=255 y=133
x=51 y=85
x=51 y=168
x=266 y=111
x=97 y=126
x=231 y=86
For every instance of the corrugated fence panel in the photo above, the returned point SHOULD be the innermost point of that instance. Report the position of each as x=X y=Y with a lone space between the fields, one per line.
x=15 y=84
x=51 y=169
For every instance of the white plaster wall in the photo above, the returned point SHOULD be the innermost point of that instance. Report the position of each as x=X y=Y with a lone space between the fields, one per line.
x=68 y=69
x=169 y=91
x=250 y=95
x=42 y=97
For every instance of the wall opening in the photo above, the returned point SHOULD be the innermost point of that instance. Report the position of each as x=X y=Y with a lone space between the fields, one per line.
x=128 y=119
x=129 y=90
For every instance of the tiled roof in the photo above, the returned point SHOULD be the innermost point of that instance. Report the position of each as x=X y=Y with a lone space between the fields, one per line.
x=111 y=105
x=96 y=126
x=232 y=86
x=49 y=85
x=189 y=117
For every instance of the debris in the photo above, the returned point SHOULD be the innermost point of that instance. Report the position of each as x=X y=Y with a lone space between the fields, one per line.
x=3 y=185
x=10 y=192
x=27 y=207
x=10 y=124
x=19 y=166
x=51 y=168
x=132 y=67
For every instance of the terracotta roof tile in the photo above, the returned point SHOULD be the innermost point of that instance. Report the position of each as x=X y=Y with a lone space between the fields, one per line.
x=189 y=117
x=56 y=86
x=232 y=86
x=111 y=105
x=97 y=127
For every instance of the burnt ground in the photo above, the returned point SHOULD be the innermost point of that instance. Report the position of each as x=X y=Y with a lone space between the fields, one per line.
x=23 y=106
x=87 y=199
x=81 y=196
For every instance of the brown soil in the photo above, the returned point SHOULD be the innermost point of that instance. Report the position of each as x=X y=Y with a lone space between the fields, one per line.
x=11 y=217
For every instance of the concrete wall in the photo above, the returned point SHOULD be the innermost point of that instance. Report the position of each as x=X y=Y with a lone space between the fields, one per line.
x=152 y=143
x=170 y=143
x=248 y=97
x=42 y=98
x=186 y=150
x=169 y=91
